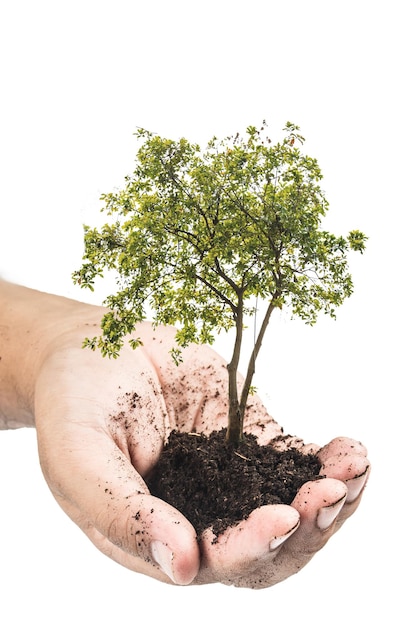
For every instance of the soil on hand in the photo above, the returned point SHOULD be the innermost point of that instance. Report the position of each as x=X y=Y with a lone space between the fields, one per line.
x=216 y=485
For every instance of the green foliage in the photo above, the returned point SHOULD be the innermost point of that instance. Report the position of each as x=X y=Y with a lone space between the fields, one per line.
x=196 y=234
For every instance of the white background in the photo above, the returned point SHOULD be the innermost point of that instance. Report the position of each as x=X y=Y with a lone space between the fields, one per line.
x=77 y=78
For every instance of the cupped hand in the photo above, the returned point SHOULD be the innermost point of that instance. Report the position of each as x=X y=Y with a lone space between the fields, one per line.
x=101 y=426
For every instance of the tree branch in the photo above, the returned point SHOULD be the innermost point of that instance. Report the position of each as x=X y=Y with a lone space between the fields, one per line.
x=251 y=366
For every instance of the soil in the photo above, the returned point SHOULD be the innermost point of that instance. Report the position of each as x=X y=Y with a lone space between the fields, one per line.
x=216 y=485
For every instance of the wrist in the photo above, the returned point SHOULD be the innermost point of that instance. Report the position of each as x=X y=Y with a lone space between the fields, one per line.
x=31 y=322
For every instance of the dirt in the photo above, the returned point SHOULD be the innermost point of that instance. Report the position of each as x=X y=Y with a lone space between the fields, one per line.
x=216 y=485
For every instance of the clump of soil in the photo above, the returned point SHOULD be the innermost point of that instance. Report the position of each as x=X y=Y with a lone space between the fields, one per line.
x=216 y=485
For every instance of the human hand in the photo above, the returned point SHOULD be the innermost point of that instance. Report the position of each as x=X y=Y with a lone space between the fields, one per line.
x=101 y=427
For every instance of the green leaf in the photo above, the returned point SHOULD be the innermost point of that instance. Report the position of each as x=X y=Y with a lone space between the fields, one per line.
x=196 y=233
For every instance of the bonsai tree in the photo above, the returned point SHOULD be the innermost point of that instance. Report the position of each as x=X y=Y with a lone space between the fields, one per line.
x=196 y=237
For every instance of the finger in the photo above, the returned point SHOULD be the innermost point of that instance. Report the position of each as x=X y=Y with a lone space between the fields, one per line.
x=173 y=561
x=318 y=503
x=238 y=554
x=341 y=446
x=353 y=469
x=244 y=557
x=102 y=492
x=346 y=459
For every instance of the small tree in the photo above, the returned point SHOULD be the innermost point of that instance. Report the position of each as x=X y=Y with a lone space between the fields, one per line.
x=197 y=235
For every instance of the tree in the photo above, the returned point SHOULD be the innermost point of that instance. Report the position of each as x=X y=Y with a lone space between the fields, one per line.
x=199 y=235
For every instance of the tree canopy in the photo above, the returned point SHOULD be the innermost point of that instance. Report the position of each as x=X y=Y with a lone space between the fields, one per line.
x=196 y=234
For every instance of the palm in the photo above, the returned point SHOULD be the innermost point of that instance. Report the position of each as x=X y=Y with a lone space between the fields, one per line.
x=101 y=427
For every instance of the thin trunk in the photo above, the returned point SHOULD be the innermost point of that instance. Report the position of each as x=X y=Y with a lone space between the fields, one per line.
x=251 y=366
x=234 y=433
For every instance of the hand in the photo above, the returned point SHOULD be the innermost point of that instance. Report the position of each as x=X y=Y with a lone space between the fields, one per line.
x=101 y=427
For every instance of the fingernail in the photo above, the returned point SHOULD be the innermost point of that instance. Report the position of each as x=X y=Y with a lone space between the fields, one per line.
x=355 y=486
x=277 y=541
x=163 y=556
x=327 y=514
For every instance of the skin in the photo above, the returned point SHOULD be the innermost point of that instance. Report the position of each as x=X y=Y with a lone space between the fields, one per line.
x=95 y=448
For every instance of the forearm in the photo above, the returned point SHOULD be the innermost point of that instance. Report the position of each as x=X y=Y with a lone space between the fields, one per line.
x=30 y=323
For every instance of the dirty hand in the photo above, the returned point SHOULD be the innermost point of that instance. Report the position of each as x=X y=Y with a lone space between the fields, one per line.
x=101 y=426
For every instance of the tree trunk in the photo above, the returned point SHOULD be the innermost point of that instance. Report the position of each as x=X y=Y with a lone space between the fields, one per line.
x=251 y=366
x=234 y=434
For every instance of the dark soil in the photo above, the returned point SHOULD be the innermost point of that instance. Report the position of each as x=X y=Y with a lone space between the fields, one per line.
x=216 y=485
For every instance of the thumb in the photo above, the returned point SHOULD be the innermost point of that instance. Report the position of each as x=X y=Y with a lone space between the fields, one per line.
x=106 y=497
x=157 y=540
